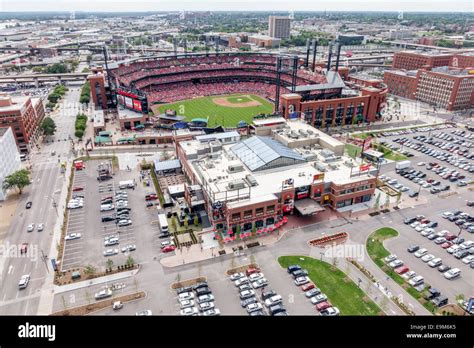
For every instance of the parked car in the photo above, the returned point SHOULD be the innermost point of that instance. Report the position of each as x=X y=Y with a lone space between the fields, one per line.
x=236 y=276
x=412 y=248
x=452 y=273
x=301 y=280
x=28 y=205
x=72 y=236
x=331 y=311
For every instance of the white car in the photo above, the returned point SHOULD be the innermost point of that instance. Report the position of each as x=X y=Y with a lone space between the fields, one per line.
x=185 y=296
x=30 y=228
x=72 y=236
x=259 y=283
x=415 y=281
x=426 y=232
x=189 y=311
x=416 y=223
x=107 y=207
x=212 y=312
x=442 y=233
x=110 y=252
x=40 y=227
x=421 y=252
x=236 y=276
x=128 y=248
x=301 y=281
x=452 y=273
x=420 y=228
x=467 y=244
x=453 y=248
x=447 y=214
x=256 y=306
x=205 y=306
x=468 y=259
x=255 y=276
x=75 y=205
x=122 y=223
x=390 y=258
x=241 y=281
x=409 y=275
x=247 y=294
x=205 y=298
x=395 y=264
x=24 y=281
x=166 y=243
x=186 y=303
x=435 y=262
x=331 y=312
x=104 y=293
x=111 y=241
x=273 y=300
x=427 y=258
x=420 y=164
x=146 y=312
x=318 y=298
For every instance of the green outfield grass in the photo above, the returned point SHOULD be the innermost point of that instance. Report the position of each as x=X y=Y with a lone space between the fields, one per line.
x=204 y=107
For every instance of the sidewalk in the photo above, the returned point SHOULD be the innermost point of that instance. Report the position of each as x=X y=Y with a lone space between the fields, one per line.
x=95 y=281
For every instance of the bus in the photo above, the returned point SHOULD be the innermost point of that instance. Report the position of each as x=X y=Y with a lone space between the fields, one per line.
x=163 y=223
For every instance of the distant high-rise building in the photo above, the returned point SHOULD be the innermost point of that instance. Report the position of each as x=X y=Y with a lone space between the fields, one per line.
x=279 y=27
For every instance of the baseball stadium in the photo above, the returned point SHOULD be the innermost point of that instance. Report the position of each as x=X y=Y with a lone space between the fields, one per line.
x=230 y=88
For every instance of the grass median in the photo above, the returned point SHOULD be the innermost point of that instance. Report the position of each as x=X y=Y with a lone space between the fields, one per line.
x=341 y=291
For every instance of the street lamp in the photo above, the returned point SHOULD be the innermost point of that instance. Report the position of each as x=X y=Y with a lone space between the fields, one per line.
x=358 y=282
x=55 y=205
x=418 y=193
x=322 y=254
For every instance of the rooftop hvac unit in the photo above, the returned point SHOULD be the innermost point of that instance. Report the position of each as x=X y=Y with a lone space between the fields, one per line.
x=236 y=185
x=302 y=132
x=235 y=168
x=209 y=165
x=251 y=180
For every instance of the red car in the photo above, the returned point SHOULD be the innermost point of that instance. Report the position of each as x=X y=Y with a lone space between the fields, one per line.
x=307 y=287
x=446 y=245
x=450 y=236
x=168 y=248
x=75 y=189
x=24 y=248
x=323 y=305
x=151 y=197
x=252 y=270
x=401 y=270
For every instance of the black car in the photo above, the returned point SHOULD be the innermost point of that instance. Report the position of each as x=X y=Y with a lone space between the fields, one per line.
x=104 y=177
x=200 y=285
x=123 y=209
x=470 y=203
x=164 y=235
x=445 y=188
x=293 y=268
x=203 y=291
x=106 y=201
x=435 y=190
x=413 y=248
x=268 y=294
x=413 y=194
x=431 y=294
x=410 y=220
x=276 y=309
x=299 y=273
x=108 y=218
x=440 y=301
x=432 y=224
x=28 y=205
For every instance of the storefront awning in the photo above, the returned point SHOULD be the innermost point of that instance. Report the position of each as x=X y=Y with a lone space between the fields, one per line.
x=308 y=207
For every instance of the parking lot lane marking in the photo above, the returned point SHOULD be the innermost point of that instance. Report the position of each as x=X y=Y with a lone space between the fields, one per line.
x=10 y=269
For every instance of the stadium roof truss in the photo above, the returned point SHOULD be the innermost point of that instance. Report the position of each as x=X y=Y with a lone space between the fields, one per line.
x=260 y=153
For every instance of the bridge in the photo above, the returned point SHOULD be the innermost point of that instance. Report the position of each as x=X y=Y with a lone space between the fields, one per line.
x=37 y=78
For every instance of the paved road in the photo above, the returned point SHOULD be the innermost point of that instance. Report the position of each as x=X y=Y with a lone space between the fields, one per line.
x=46 y=185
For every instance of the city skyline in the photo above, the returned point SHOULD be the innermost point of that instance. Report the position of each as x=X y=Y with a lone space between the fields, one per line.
x=232 y=5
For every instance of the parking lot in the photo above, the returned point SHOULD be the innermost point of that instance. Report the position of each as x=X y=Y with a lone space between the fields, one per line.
x=96 y=245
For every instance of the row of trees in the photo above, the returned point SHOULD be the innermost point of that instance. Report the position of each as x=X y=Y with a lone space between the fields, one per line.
x=80 y=125
x=85 y=93
x=56 y=95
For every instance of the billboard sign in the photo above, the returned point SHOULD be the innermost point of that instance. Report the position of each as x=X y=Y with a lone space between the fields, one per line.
x=129 y=102
x=364 y=167
x=137 y=105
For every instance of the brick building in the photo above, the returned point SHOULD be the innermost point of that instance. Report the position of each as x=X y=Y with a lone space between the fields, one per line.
x=248 y=184
x=401 y=83
x=23 y=115
x=411 y=60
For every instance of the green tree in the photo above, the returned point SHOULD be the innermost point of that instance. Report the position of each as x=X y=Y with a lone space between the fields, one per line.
x=377 y=202
x=48 y=126
x=130 y=261
x=109 y=264
x=89 y=269
x=17 y=180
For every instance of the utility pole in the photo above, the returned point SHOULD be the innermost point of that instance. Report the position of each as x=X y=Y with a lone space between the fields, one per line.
x=44 y=257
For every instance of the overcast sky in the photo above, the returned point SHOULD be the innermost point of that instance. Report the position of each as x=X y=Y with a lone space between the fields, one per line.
x=237 y=5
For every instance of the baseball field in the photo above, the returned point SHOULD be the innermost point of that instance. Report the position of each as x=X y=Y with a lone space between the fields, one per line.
x=227 y=110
